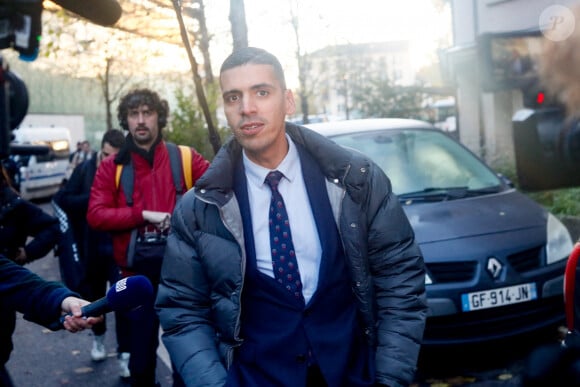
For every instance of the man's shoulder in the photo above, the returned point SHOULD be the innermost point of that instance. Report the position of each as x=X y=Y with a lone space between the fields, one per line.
x=108 y=162
x=107 y=168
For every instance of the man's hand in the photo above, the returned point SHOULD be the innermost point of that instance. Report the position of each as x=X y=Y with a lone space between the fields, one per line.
x=76 y=322
x=161 y=220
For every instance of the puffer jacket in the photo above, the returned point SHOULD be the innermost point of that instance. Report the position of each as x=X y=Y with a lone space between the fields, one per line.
x=203 y=271
x=154 y=190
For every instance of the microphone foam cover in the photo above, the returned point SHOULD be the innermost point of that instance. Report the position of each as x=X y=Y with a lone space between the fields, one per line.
x=130 y=292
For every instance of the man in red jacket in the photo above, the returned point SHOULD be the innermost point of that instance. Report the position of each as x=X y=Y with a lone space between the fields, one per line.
x=146 y=218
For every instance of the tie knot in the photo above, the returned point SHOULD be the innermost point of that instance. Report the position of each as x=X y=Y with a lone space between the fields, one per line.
x=273 y=179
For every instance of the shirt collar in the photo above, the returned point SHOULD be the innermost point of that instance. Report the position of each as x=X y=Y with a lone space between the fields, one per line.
x=289 y=166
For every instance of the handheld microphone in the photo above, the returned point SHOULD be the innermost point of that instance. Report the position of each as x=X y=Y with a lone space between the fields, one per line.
x=126 y=294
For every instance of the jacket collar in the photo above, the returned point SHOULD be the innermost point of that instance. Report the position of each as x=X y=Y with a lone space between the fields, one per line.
x=334 y=160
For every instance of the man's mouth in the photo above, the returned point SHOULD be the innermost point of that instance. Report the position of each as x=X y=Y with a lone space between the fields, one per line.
x=251 y=128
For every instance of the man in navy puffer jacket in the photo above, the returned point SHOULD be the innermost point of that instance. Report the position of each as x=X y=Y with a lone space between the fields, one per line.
x=358 y=316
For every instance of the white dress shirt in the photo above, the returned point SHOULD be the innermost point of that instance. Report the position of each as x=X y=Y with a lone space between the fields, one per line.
x=302 y=223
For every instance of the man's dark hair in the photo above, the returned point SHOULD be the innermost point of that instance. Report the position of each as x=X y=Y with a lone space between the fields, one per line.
x=139 y=97
x=254 y=55
x=114 y=137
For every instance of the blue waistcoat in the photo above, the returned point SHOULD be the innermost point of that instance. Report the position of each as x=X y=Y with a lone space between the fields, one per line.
x=282 y=336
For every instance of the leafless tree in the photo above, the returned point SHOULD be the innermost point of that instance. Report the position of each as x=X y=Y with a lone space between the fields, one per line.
x=303 y=65
x=238 y=22
x=214 y=136
x=111 y=93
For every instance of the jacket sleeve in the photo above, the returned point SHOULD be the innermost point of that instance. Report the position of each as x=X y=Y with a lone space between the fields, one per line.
x=398 y=273
x=184 y=304
x=22 y=290
x=107 y=207
x=44 y=229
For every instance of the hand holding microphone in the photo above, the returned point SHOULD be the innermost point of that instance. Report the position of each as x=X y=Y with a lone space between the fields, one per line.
x=73 y=321
x=126 y=294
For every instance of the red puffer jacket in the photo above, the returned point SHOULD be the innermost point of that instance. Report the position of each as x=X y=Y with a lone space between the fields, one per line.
x=154 y=190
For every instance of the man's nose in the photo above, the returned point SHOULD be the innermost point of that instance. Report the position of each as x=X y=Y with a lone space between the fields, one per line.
x=141 y=117
x=248 y=105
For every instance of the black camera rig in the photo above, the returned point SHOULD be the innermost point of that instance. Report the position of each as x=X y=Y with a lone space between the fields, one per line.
x=21 y=29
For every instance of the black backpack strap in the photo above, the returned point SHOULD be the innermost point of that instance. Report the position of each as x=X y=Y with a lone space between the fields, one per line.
x=127 y=182
x=176 y=168
x=128 y=175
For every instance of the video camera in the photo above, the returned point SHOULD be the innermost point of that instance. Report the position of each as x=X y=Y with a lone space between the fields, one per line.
x=21 y=30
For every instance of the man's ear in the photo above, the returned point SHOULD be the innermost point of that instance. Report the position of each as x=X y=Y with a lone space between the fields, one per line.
x=290 y=103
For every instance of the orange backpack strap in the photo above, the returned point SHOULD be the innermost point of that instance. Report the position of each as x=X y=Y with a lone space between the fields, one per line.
x=118 y=175
x=186 y=157
x=124 y=176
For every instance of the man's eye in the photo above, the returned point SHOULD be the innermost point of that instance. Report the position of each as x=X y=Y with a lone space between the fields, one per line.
x=263 y=93
x=232 y=98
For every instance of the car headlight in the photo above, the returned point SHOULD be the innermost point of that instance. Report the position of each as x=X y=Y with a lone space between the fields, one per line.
x=559 y=242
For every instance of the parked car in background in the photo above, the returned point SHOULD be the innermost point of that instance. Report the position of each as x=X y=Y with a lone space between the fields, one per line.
x=495 y=259
x=40 y=175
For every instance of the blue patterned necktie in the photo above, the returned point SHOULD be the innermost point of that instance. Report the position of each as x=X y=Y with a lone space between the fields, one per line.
x=284 y=261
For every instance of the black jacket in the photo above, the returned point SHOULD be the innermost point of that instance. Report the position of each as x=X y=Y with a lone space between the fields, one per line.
x=20 y=219
x=96 y=247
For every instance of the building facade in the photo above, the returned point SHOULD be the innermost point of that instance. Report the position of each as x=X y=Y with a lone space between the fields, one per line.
x=339 y=68
x=485 y=116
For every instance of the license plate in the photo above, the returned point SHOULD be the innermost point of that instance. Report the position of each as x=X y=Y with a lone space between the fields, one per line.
x=498 y=297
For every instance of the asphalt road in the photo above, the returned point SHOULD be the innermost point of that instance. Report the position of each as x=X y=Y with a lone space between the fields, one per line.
x=42 y=358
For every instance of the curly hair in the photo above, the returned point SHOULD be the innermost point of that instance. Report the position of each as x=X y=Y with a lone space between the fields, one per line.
x=559 y=68
x=139 y=97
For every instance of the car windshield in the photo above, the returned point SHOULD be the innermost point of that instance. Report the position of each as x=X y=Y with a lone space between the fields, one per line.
x=424 y=164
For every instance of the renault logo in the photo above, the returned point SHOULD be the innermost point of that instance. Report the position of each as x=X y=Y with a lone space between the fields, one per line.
x=494 y=267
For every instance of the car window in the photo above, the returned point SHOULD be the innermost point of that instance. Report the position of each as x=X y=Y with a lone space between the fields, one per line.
x=417 y=160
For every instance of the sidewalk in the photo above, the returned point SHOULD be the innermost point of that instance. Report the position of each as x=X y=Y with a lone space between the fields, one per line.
x=42 y=358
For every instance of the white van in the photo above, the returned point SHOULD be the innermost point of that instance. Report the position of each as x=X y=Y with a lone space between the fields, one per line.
x=40 y=176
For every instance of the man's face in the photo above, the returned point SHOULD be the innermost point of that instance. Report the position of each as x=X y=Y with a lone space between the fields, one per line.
x=256 y=106
x=108 y=150
x=143 y=126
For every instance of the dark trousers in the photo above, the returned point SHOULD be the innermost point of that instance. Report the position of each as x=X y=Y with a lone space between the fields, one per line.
x=7 y=326
x=123 y=332
x=143 y=325
x=5 y=380
x=122 y=321
x=100 y=271
x=314 y=377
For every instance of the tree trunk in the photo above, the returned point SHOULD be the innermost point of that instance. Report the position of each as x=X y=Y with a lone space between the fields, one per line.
x=214 y=137
x=107 y=93
x=203 y=43
x=238 y=22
